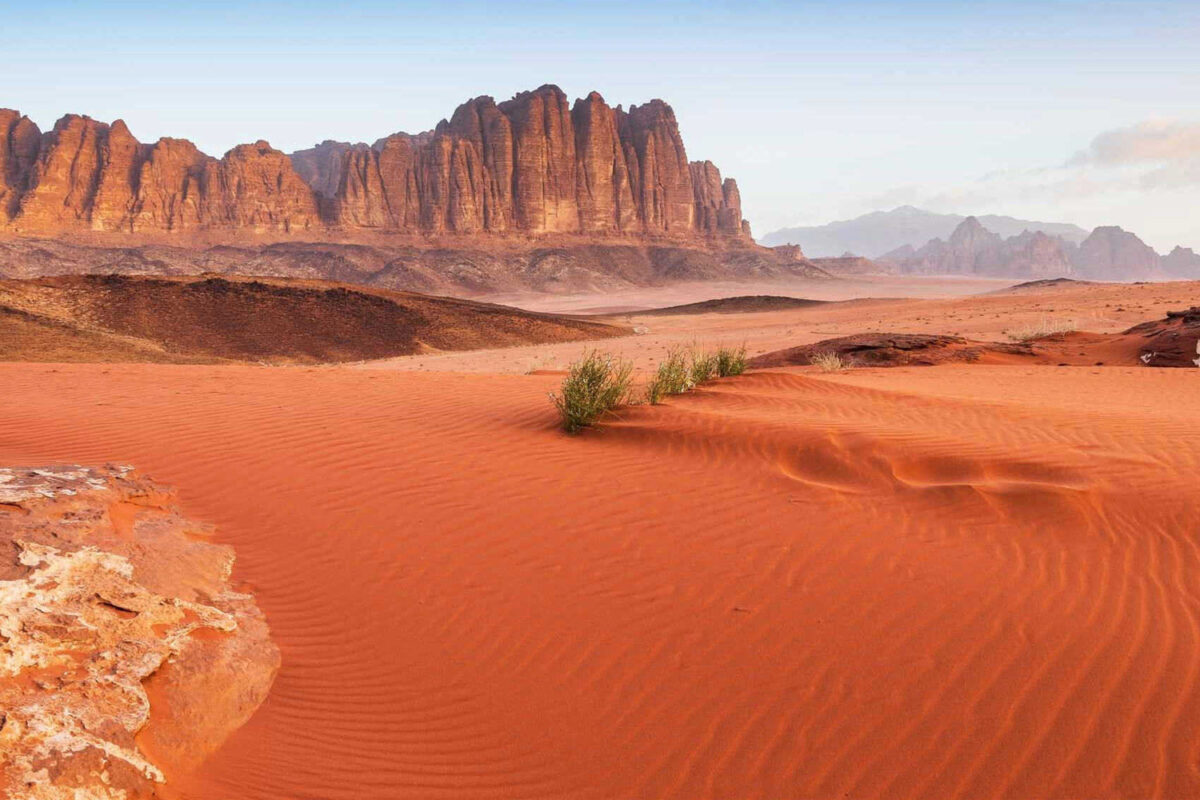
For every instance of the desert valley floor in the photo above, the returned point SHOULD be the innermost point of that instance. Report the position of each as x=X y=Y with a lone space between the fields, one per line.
x=953 y=581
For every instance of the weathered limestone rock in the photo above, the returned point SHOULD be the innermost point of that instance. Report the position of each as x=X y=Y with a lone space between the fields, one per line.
x=101 y=590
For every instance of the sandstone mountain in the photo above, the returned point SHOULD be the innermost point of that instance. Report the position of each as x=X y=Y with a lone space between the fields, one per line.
x=530 y=193
x=1111 y=253
x=972 y=249
x=1182 y=262
x=535 y=164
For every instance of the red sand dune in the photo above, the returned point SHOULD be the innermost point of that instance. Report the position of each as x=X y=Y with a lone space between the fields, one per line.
x=964 y=581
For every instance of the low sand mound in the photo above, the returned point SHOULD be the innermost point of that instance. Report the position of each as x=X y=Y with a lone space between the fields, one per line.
x=1043 y=284
x=853 y=265
x=25 y=336
x=1170 y=342
x=212 y=319
x=893 y=350
x=736 y=305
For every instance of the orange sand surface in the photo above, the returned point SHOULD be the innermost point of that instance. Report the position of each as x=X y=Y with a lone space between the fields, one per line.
x=957 y=581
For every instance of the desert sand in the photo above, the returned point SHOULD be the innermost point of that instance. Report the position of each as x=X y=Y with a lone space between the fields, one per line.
x=972 y=581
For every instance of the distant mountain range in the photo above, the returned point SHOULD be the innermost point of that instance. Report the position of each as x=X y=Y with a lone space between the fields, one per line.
x=1107 y=253
x=880 y=232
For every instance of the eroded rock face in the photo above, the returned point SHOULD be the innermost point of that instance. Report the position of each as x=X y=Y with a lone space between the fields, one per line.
x=102 y=590
x=19 y=143
x=535 y=164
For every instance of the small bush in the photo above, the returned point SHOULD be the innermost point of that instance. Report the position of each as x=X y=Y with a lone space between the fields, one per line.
x=672 y=377
x=828 y=362
x=594 y=386
x=1045 y=327
x=730 y=361
x=704 y=367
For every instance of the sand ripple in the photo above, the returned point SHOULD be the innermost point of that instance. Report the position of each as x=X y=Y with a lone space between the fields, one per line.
x=959 y=582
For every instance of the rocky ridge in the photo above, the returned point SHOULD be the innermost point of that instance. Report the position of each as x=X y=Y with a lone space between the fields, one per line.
x=1108 y=253
x=974 y=250
x=212 y=319
x=532 y=165
x=467 y=268
x=989 y=245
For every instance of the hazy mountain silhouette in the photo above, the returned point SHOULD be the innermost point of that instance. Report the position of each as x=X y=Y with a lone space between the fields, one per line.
x=880 y=232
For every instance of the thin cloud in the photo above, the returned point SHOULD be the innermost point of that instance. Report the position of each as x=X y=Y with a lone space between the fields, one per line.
x=1152 y=141
x=1137 y=175
x=1152 y=156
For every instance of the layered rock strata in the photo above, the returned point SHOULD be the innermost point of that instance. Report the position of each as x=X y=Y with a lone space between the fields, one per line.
x=473 y=268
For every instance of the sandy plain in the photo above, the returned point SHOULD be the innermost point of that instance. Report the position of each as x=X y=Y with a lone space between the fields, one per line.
x=957 y=581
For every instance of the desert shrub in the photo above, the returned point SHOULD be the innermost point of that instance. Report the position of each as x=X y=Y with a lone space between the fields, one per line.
x=704 y=367
x=828 y=362
x=1045 y=327
x=731 y=361
x=594 y=385
x=672 y=377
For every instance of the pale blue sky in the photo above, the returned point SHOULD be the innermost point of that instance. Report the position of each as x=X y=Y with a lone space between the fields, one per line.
x=820 y=110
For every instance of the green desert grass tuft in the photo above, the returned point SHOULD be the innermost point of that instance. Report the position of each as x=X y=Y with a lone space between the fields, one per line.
x=731 y=361
x=671 y=377
x=682 y=372
x=704 y=367
x=1047 y=326
x=828 y=362
x=594 y=385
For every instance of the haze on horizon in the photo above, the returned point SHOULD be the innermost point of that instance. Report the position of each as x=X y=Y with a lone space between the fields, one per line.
x=1062 y=111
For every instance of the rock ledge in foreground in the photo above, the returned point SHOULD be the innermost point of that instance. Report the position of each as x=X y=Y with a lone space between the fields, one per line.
x=103 y=590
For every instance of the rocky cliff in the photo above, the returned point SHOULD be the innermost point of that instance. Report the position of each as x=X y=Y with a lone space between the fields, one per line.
x=532 y=165
x=86 y=175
